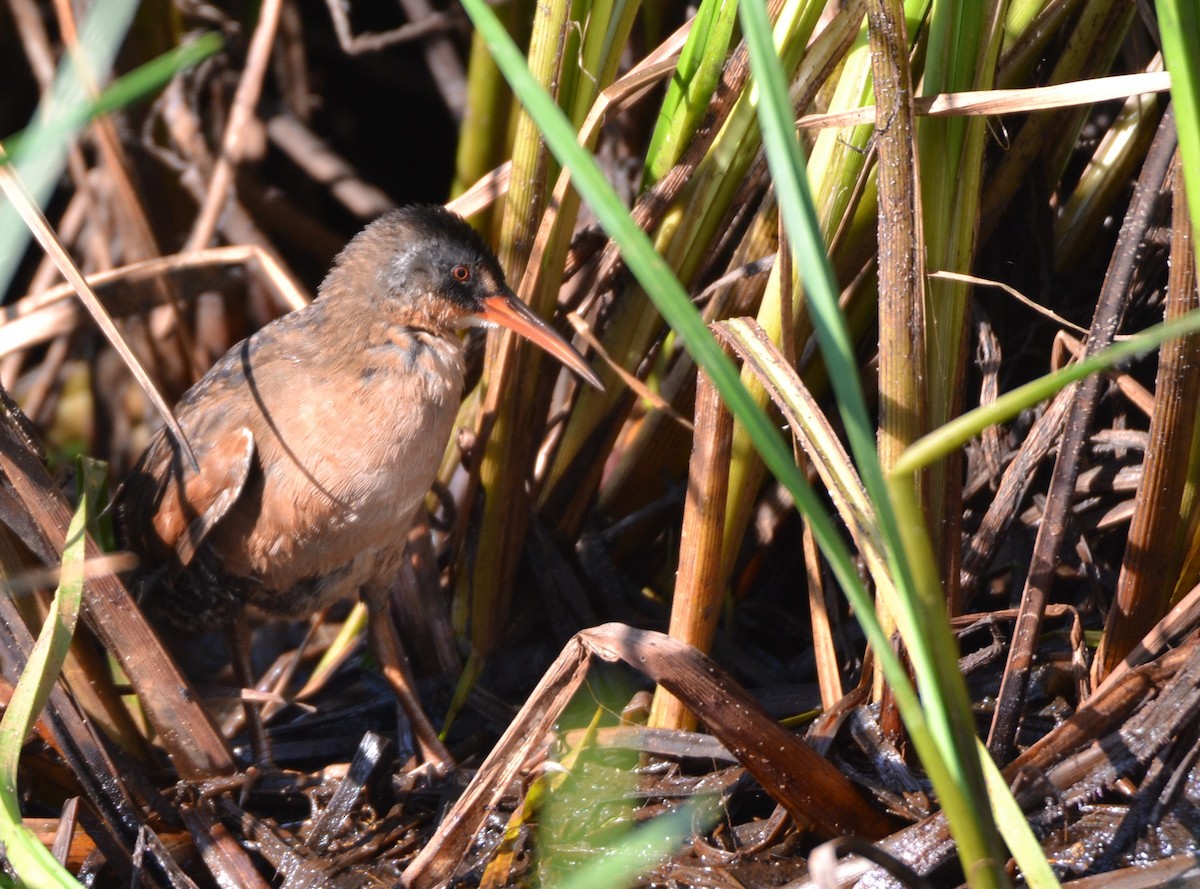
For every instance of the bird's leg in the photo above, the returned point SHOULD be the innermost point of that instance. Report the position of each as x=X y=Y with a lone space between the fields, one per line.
x=243 y=671
x=389 y=652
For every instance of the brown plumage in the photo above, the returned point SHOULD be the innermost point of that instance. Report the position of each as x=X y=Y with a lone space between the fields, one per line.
x=318 y=437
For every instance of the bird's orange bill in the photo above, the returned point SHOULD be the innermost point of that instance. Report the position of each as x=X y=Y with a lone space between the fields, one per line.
x=508 y=311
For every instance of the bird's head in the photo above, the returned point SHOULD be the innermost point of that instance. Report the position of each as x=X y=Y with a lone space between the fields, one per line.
x=427 y=265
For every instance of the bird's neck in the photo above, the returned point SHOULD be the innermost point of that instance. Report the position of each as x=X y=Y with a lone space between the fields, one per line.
x=370 y=321
x=392 y=344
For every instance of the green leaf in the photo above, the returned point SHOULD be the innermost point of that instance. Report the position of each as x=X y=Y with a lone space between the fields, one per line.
x=1179 y=27
x=952 y=760
x=691 y=88
x=31 y=860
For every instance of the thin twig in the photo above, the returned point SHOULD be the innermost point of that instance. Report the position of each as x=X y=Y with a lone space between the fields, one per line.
x=244 y=100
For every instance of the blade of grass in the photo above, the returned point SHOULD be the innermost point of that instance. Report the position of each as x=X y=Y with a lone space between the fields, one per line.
x=961 y=430
x=1179 y=28
x=532 y=173
x=1018 y=835
x=31 y=860
x=921 y=615
x=901 y=295
x=964 y=42
x=699 y=590
x=696 y=77
x=125 y=90
x=640 y=850
x=1155 y=553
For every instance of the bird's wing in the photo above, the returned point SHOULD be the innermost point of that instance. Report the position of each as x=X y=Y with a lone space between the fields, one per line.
x=186 y=505
x=220 y=483
x=169 y=506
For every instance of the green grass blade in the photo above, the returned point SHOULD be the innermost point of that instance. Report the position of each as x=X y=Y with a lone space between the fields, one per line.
x=961 y=430
x=31 y=860
x=1179 y=27
x=100 y=36
x=1018 y=835
x=788 y=171
x=635 y=853
x=125 y=90
x=692 y=86
x=39 y=151
x=926 y=631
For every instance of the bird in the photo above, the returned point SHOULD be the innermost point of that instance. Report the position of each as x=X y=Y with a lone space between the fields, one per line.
x=316 y=440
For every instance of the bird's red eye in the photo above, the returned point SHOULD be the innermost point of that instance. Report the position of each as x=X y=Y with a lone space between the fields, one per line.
x=461 y=273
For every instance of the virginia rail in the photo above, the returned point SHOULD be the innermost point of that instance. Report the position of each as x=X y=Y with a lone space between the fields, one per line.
x=317 y=439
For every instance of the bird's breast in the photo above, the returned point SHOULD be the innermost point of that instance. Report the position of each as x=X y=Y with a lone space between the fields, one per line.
x=344 y=469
